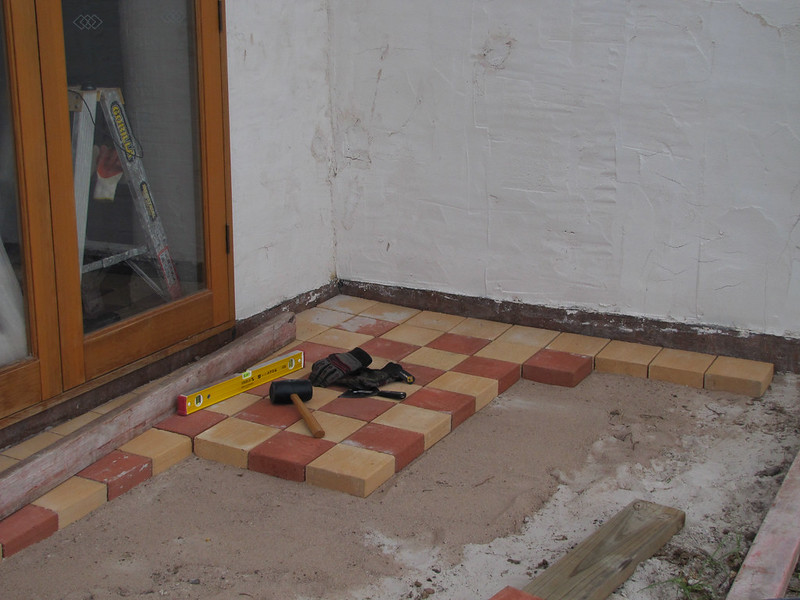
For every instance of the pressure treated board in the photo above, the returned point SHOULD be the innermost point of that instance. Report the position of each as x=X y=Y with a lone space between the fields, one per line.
x=604 y=560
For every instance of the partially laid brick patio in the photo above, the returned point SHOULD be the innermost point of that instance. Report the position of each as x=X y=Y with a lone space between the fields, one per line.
x=460 y=364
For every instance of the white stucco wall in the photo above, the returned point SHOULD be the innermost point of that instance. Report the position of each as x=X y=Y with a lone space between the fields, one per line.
x=280 y=150
x=632 y=157
x=638 y=158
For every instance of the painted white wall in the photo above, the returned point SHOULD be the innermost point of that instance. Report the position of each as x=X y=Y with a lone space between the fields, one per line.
x=630 y=157
x=279 y=94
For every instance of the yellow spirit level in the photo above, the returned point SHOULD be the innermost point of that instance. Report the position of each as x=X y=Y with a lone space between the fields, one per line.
x=252 y=377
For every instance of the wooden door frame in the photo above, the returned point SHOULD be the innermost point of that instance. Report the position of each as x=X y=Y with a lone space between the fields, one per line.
x=63 y=358
x=39 y=375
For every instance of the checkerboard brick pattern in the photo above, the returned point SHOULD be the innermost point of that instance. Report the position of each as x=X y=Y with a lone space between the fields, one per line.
x=460 y=365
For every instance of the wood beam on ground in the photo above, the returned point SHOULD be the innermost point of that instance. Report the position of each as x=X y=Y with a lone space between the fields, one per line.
x=604 y=560
x=773 y=555
x=38 y=474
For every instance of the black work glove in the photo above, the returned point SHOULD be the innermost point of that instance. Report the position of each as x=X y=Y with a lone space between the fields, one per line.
x=329 y=370
x=368 y=379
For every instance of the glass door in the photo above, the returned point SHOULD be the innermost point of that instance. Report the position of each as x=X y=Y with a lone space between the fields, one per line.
x=30 y=366
x=114 y=190
x=131 y=79
x=13 y=318
x=134 y=101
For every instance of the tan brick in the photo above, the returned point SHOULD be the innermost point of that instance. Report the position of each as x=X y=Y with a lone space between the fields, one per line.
x=431 y=424
x=409 y=334
x=483 y=389
x=507 y=351
x=585 y=345
x=230 y=441
x=436 y=359
x=236 y=403
x=435 y=320
x=6 y=462
x=625 y=358
x=164 y=448
x=112 y=404
x=322 y=316
x=31 y=446
x=305 y=330
x=739 y=376
x=75 y=424
x=389 y=312
x=680 y=366
x=528 y=336
x=348 y=304
x=355 y=471
x=73 y=499
x=480 y=328
x=339 y=338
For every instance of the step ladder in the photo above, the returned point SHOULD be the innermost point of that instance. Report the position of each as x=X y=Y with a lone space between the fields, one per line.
x=83 y=105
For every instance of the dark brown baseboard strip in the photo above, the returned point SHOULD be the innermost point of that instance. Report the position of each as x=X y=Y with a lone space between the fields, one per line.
x=783 y=352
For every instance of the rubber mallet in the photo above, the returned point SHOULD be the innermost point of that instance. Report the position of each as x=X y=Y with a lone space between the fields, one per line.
x=296 y=391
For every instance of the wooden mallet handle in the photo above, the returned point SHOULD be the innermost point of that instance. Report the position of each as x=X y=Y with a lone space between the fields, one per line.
x=311 y=421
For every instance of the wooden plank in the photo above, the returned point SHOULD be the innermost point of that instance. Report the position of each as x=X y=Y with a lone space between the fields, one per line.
x=604 y=560
x=771 y=560
x=35 y=476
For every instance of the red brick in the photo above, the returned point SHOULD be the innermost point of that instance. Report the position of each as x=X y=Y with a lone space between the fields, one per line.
x=265 y=412
x=460 y=344
x=422 y=375
x=27 y=526
x=364 y=409
x=367 y=325
x=510 y=593
x=404 y=445
x=460 y=407
x=191 y=425
x=557 y=368
x=119 y=471
x=388 y=349
x=286 y=455
x=506 y=373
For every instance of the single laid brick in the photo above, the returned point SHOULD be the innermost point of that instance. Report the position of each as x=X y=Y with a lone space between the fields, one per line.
x=164 y=448
x=355 y=471
x=73 y=499
x=557 y=368
x=459 y=406
x=364 y=409
x=739 y=376
x=506 y=373
x=264 y=412
x=459 y=344
x=389 y=349
x=626 y=358
x=27 y=526
x=423 y=375
x=403 y=444
x=681 y=367
x=431 y=424
x=191 y=425
x=119 y=471
x=286 y=455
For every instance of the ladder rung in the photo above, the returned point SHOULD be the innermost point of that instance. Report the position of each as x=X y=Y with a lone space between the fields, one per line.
x=114 y=259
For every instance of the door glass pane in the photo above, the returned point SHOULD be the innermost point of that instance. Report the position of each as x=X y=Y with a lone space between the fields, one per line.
x=131 y=68
x=13 y=335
